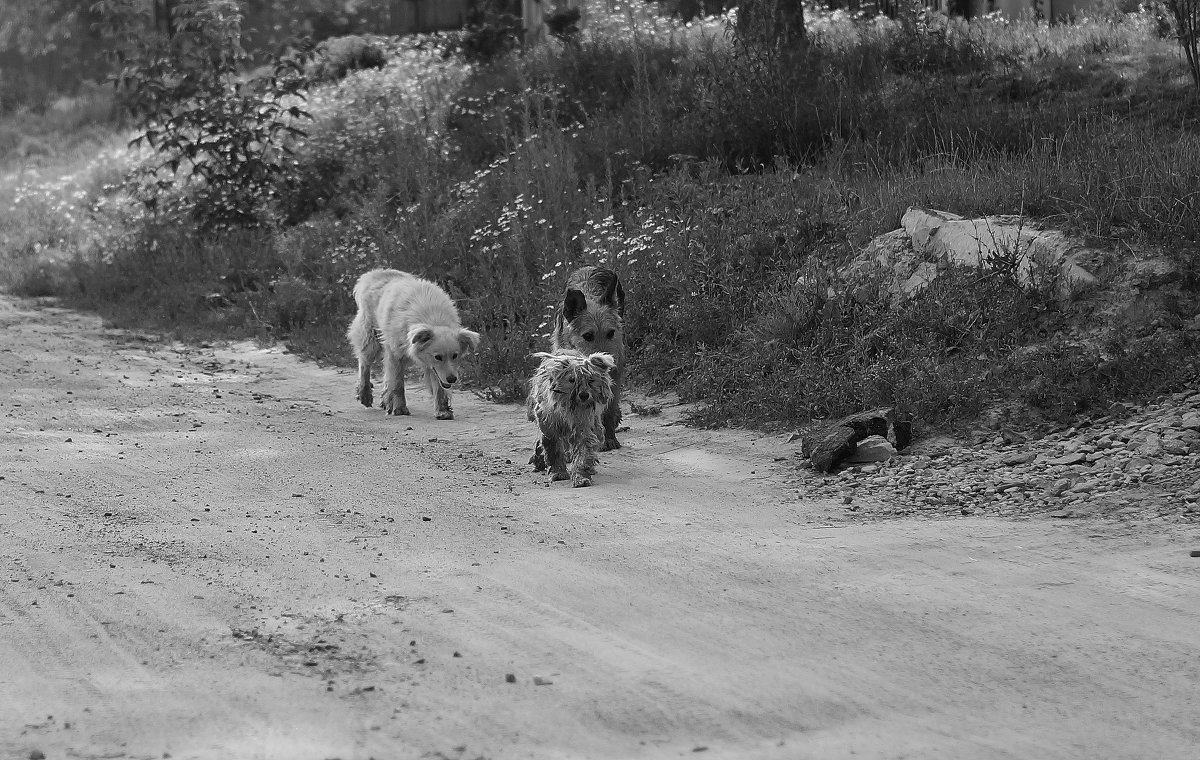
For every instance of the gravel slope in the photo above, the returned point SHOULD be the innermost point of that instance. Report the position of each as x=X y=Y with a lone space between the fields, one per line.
x=1144 y=467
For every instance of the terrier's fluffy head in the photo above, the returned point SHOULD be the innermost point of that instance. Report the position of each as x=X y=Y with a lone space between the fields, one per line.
x=573 y=380
x=440 y=349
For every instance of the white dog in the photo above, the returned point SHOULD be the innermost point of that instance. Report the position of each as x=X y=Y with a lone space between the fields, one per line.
x=407 y=319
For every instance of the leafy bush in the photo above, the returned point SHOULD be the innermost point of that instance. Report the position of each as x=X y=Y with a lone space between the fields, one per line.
x=375 y=133
x=563 y=23
x=194 y=109
x=493 y=30
x=337 y=57
x=1161 y=17
x=726 y=184
x=927 y=40
x=1064 y=379
x=1187 y=30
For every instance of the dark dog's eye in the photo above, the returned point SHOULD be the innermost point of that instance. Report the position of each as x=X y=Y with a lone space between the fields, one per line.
x=611 y=333
x=589 y=336
x=437 y=357
x=570 y=379
x=453 y=356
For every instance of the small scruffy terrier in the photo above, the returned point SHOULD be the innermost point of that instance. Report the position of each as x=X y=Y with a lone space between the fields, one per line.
x=567 y=398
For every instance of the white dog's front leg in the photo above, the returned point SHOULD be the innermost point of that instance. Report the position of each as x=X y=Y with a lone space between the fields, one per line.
x=367 y=349
x=442 y=400
x=393 y=381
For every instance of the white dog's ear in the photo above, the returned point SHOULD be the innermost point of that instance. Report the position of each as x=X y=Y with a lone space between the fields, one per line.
x=542 y=355
x=468 y=338
x=419 y=334
x=602 y=361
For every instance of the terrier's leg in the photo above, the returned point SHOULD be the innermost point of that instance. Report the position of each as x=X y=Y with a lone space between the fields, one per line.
x=532 y=407
x=612 y=419
x=583 y=456
x=538 y=460
x=554 y=457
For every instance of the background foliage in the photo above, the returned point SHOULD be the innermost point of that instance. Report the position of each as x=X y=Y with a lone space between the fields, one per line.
x=727 y=182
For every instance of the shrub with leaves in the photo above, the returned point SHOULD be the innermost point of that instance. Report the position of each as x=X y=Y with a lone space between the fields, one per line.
x=339 y=56
x=492 y=31
x=563 y=23
x=375 y=133
x=198 y=112
x=1187 y=29
x=727 y=184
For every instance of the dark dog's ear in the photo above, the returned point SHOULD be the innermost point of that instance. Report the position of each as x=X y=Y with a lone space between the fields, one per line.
x=418 y=334
x=614 y=295
x=468 y=340
x=574 y=304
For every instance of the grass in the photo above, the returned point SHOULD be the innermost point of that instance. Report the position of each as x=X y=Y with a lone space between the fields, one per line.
x=726 y=185
x=55 y=199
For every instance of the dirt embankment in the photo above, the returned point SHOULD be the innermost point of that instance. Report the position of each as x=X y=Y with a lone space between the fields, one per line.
x=215 y=553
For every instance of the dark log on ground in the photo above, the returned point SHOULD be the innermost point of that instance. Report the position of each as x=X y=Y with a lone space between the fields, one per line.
x=830 y=445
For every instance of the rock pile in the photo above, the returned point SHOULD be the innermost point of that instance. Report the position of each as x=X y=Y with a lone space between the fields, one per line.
x=896 y=266
x=1145 y=465
x=829 y=447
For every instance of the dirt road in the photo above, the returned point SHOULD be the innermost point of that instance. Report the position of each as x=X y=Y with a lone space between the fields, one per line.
x=216 y=553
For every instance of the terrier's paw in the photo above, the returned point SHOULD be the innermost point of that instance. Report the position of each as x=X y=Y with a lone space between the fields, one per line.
x=581 y=482
x=557 y=476
x=445 y=415
x=539 y=458
x=365 y=396
x=610 y=444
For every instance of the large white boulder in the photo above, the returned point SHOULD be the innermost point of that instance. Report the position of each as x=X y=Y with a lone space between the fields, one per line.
x=1037 y=257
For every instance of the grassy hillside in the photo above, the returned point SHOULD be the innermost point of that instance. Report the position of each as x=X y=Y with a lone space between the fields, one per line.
x=725 y=185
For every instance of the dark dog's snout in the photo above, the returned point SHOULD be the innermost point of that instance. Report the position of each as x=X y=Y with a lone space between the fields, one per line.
x=452 y=379
x=583 y=396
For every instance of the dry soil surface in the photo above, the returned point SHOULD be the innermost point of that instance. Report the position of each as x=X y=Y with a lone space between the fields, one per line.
x=216 y=553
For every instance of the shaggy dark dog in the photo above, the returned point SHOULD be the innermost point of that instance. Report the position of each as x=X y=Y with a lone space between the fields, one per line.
x=591 y=319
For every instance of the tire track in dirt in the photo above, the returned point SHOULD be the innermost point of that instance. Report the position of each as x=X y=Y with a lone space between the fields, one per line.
x=326 y=581
x=64 y=647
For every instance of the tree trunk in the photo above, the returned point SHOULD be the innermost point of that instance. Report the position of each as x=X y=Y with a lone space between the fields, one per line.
x=164 y=17
x=1187 y=25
